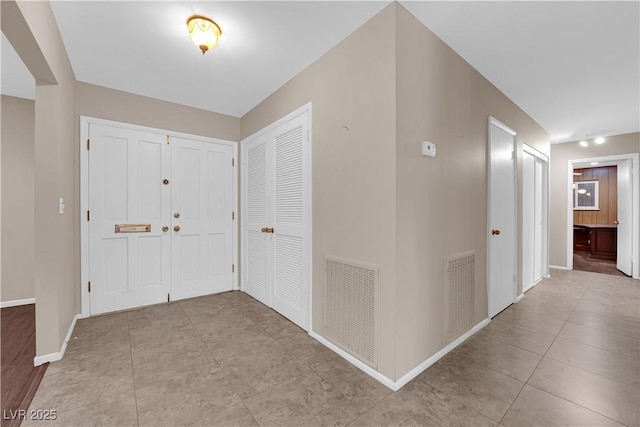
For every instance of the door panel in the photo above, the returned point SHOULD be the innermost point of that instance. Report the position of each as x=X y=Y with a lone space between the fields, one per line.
x=202 y=177
x=276 y=188
x=625 y=214
x=502 y=248
x=127 y=269
x=256 y=270
x=290 y=286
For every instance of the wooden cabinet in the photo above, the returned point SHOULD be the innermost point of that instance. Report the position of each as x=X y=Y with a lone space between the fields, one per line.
x=600 y=241
x=581 y=239
x=604 y=242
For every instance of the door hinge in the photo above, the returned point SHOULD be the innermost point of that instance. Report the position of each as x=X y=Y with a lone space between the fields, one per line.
x=513 y=154
x=88 y=215
x=89 y=285
x=233 y=162
x=233 y=215
x=168 y=139
x=88 y=144
x=233 y=268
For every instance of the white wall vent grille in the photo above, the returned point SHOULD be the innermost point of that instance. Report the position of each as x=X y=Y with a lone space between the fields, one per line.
x=459 y=294
x=352 y=308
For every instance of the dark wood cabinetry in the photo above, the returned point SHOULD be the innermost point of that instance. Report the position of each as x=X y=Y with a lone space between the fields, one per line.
x=600 y=241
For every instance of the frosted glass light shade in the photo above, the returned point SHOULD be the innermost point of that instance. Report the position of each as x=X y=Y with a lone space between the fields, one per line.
x=204 y=32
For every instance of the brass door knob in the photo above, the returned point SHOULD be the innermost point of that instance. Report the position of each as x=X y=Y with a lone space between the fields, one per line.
x=176 y=228
x=267 y=230
x=176 y=215
x=495 y=232
x=165 y=228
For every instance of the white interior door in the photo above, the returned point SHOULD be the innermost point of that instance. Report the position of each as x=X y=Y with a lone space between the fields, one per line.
x=256 y=211
x=528 y=220
x=290 y=255
x=201 y=218
x=276 y=217
x=501 y=218
x=625 y=215
x=539 y=215
x=128 y=269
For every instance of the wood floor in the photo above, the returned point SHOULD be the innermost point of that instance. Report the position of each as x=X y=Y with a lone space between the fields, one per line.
x=20 y=379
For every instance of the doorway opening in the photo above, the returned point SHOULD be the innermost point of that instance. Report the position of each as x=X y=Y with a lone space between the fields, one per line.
x=603 y=215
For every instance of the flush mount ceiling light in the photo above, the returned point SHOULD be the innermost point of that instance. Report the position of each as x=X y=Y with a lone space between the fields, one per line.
x=204 y=32
x=584 y=143
x=599 y=140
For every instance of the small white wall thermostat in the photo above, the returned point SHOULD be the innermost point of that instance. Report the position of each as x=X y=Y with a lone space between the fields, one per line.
x=428 y=149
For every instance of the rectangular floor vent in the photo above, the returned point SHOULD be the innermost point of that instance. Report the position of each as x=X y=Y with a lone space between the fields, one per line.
x=352 y=308
x=459 y=294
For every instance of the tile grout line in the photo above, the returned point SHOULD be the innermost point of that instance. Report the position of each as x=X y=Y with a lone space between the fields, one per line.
x=543 y=356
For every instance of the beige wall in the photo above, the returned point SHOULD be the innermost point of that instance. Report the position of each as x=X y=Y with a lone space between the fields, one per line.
x=375 y=198
x=441 y=201
x=32 y=30
x=352 y=86
x=17 y=153
x=560 y=156
x=110 y=104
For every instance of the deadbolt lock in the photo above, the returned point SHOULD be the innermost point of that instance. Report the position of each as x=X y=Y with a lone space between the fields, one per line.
x=165 y=228
x=176 y=228
x=176 y=215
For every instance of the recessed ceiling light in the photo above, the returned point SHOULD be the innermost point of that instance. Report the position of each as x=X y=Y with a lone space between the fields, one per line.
x=593 y=163
x=577 y=173
x=599 y=140
x=584 y=143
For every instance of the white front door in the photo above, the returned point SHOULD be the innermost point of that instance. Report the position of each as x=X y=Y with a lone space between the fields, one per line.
x=201 y=218
x=625 y=215
x=501 y=218
x=276 y=217
x=160 y=218
x=129 y=253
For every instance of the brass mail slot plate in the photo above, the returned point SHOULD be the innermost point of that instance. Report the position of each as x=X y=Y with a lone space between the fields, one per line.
x=133 y=228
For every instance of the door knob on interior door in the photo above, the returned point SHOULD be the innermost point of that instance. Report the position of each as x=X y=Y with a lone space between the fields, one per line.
x=176 y=228
x=165 y=228
x=495 y=232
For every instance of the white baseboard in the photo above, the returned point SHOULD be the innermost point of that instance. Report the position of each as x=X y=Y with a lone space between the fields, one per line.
x=519 y=297
x=54 y=357
x=354 y=361
x=439 y=355
x=559 y=267
x=17 y=302
x=397 y=385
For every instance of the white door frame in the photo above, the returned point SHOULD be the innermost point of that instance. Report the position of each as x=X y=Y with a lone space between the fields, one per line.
x=635 y=205
x=307 y=202
x=85 y=121
x=545 y=210
x=494 y=122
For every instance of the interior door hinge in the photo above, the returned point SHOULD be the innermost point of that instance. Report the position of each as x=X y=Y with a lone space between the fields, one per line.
x=233 y=215
x=88 y=215
x=88 y=144
x=233 y=162
x=513 y=154
x=233 y=268
x=89 y=285
x=168 y=139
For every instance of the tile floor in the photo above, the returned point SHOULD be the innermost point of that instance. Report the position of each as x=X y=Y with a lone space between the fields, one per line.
x=567 y=354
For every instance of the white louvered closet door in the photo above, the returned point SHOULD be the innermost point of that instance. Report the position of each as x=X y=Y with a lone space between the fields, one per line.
x=256 y=262
x=290 y=260
x=276 y=217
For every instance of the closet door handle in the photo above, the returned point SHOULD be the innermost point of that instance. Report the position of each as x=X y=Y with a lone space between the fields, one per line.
x=176 y=228
x=267 y=230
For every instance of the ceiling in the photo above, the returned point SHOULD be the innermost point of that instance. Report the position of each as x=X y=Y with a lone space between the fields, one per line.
x=573 y=66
